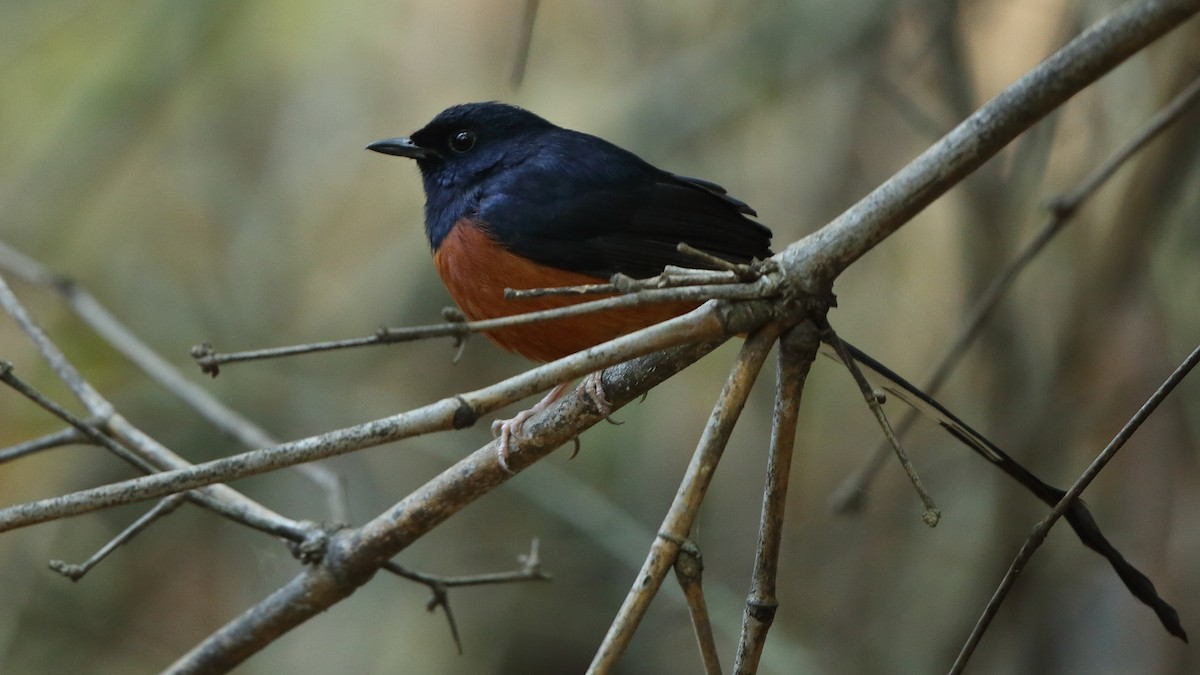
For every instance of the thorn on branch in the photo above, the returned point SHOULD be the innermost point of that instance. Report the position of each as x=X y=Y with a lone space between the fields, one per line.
x=624 y=283
x=311 y=549
x=455 y=315
x=1061 y=207
x=531 y=563
x=205 y=357
x=531 y=570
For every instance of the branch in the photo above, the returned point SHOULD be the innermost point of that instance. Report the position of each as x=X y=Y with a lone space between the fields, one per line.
x=143 y=451
x=850 y=494
x=107 y=326
x=826 y=253
x=354 y=555
x=796 y=352
x=210 y=361
x=712 y=321
x=677 y=524
x=1071 y=497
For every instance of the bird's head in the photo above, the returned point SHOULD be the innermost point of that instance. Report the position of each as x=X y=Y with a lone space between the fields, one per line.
x=467 y=142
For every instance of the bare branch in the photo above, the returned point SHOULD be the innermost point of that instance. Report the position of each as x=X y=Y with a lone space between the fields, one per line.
x=671 y=277
x=850 y=494
x=163 y=508
x=210 y=361
x=58 y=439
x=1071 y=497
x=874 y=401
x=355 y=555
x=1099 y=49
x=689 y=571
x=531 y=570
x=708 y=322
x=684 y=509
x=797 y=349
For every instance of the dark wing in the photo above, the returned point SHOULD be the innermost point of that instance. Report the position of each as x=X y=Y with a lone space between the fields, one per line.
x=596 y=209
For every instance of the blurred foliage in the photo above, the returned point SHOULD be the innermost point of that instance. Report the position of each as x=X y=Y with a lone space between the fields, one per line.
x=199 y=167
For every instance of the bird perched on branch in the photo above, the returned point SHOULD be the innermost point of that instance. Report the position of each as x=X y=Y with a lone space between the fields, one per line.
x=513 y=201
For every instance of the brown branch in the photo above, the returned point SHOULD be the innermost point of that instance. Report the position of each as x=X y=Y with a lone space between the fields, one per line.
x=531 y=570
x=1072 y=495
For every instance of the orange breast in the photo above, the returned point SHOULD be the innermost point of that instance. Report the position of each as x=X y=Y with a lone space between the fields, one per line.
x=476 y=269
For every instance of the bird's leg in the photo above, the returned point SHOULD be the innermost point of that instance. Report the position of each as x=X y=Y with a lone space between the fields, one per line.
x=592 y=386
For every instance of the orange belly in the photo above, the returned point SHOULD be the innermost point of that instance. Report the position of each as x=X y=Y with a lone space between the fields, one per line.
x=476 y=270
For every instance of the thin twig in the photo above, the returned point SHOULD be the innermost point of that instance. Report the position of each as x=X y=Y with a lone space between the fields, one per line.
x=850 y=495
x=210 y=361
x=58 y=439
x=744 y=272
x=932 y=513
x=1072 y=495
x=797 y=349
x=531 y=570
x=689 y=571
x=708 y=322
x=671 y=277
x=355 y=555
x=679 y=519
x=219 y=498
x=163 y=508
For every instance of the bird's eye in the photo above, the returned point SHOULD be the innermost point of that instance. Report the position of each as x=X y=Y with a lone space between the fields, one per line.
x=462 y=140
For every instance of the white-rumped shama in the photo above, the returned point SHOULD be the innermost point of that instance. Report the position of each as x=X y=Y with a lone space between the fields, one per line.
x=513 y=201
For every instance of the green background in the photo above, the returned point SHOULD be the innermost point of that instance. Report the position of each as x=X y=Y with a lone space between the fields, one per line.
x=199 y=167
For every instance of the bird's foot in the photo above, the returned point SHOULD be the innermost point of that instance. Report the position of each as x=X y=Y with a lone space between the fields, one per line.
x=505 y=430
x=593 y=387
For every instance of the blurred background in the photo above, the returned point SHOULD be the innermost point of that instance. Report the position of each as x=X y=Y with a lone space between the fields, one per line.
x=200 y=168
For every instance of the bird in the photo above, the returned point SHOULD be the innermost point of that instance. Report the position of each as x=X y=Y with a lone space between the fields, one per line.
x=515 y=201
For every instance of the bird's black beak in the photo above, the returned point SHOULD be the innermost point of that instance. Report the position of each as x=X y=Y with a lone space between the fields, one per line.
x=401 y=147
